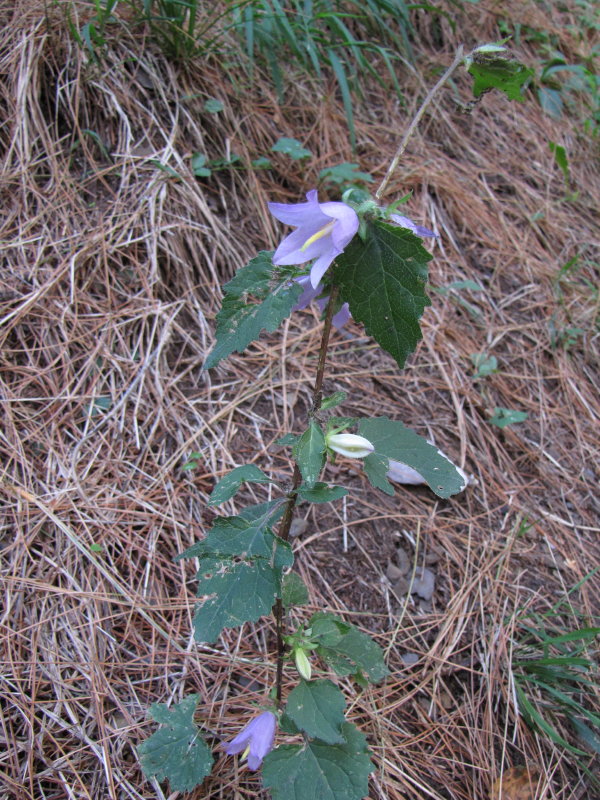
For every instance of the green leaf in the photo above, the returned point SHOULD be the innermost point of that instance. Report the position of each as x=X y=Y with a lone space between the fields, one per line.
x=333 y=400
x=289 y=438
x=176 y=751
x=240 y=321
x=317 y=708
x=376 y=467
x=322 y=493
x=291 y=147
x=501 y=71
x=309 y=453
x=317 y=771
x=393 y=440
x=345 y=173
x=346 y=649
x=506 y=416
x=238 y=591
x=229 y=485
x=247 y=534
x=261 y=163
x=484 y=365
x=213 y=106
x=198 y=166
x=560 y=156
x=588 y=736
x=383 y=280
x=293 y=591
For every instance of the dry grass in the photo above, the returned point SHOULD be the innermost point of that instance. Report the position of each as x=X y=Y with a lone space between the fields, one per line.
x=110 y=283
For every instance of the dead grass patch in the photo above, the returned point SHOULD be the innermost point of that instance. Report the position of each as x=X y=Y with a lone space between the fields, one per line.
x=111 y=270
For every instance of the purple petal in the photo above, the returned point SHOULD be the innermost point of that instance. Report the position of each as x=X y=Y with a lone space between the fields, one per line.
x=347 y=223
x=309 y=293
x=342 y=317
x=300 y=213
x=406 y=222
x=260 y=733
x=321 y=265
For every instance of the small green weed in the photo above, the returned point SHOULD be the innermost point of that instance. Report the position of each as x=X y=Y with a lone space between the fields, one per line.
x=555 y=674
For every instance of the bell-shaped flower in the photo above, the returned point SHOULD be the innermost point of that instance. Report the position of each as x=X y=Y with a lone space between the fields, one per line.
x=406 y=222
x=256 y=739
x=349 y=444
x=338 y=320
x=322 y=232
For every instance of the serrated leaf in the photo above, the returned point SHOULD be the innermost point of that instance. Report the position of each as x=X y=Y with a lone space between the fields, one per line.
x=333 y=400
x=376 y=467
x=345 y=173
x=317 y=771
x=241 y=321
x=383 y=280
x=392 y=439
x=507 y=75
x=248 y=534
x=317 y=708
x=291 y=147
x=293 y=591
x=322 y=493
x=228 y=485
x=237 y=592
x=348 y=650
x=309 y=453
x=176 y=751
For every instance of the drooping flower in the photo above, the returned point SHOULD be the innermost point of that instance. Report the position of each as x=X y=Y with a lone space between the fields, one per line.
x=322 y=232
x=256 y=739
x=349 y=444
x=338 y=320
x=406 y=222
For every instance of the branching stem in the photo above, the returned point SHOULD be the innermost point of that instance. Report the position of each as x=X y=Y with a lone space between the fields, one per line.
x=286 y=521
x=417 y=118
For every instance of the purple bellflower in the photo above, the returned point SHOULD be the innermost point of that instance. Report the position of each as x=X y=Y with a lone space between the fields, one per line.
x=406 y=222
x=322 y=232
x=256 y=739
x=309 y=294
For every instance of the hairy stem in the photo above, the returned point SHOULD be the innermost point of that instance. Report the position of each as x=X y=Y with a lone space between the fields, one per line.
x=286 y=521
x=417 y=118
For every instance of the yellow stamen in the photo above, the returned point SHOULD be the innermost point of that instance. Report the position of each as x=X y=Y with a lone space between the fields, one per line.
x=245 y=754
x=318 y=235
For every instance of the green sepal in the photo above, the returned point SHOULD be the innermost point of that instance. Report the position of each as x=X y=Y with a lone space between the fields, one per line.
x=176 y=751
x=393 y=440
x=346 y=649
x=317 y=708
x=383 y=280
x=322 y=493
x=318 y=771
x=230 y=483
x=240 y=321
x=309 y=453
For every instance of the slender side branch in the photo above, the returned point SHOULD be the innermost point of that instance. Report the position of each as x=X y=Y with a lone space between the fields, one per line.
x=417 y=118
x=286 y=521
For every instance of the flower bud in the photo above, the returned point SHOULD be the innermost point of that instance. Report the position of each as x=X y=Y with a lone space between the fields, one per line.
x=302 y=663
x=349 y=444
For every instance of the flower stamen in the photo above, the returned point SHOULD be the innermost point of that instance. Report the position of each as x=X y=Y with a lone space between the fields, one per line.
x=318 y=235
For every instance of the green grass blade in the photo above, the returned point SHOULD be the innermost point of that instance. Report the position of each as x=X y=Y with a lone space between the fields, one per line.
x=340 y=74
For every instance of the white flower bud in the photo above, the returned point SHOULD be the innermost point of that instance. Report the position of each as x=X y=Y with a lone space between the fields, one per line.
x=349 y=444
x=302 y=663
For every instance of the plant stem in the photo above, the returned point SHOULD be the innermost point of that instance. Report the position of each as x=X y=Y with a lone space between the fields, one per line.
x=286 y=521
x=417 y=118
